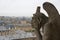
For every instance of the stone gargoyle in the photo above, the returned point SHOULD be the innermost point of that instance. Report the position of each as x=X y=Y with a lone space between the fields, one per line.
x=50 y=25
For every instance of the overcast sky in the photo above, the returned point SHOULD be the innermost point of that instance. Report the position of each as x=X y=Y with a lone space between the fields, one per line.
x=23 y=7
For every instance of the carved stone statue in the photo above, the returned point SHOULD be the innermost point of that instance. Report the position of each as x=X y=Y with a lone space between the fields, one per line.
x=50 y=25
x=38 y=21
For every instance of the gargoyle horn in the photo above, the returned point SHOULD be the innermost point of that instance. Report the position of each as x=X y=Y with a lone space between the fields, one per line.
x=38 y=9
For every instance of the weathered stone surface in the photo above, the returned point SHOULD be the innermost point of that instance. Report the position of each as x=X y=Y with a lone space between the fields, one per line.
x=50 y=9
x=52 y=27
x=38 y=21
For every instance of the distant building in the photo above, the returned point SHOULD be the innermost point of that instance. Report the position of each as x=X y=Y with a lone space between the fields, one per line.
x=2 y=23
x=24 y=27
x=6 y=30
x=3 y=31
x=9 y=26
x=23 y=22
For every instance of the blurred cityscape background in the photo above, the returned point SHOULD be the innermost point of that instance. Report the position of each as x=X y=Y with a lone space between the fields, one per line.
x=13 y=28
